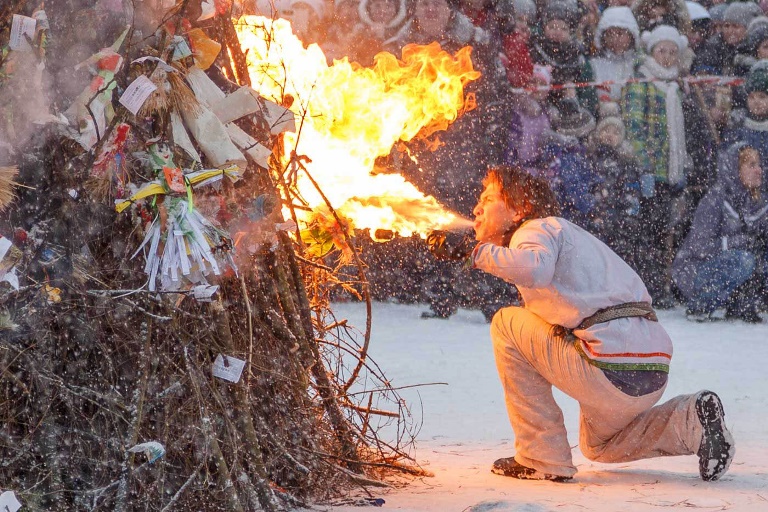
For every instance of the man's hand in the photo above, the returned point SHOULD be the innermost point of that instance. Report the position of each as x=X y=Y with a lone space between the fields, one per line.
x=448 y=245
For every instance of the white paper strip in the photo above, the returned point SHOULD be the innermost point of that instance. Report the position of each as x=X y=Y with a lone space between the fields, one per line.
x=181 y=137
x=231 y=371
x=239 y=104
x=8 y=502
x=249 y=145
x=152 y=449
x=22 y=26
x=5 y=244
x=137 y=93
x=204 y=292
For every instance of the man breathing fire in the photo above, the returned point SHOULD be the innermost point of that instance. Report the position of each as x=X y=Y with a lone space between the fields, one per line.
x=586 y=327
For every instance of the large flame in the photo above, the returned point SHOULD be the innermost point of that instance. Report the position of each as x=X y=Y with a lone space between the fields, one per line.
x=352 y=115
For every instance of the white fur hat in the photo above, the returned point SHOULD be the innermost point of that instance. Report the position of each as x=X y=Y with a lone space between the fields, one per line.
x=398 y=20
x=697 y=11
x=318 y=6
x=617 y=17
x=664 y=33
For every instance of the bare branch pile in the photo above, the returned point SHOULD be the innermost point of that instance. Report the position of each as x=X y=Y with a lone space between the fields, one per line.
x=146 y=259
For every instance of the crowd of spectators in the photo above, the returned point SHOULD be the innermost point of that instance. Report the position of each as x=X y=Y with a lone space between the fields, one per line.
x=648 y=118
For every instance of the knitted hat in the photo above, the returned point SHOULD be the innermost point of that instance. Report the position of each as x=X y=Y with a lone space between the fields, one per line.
x=573 y=120
x=362 y=10
x=756 y=34
x=756 y=23
x=739 y=13
x=566 y=10
x=617 y=17
x=716 y=12
x=664 y=33
x=757 y=78
x=612 y=121
x=543 y=73
x=696 y=11
x=609 y=109
x=527 y=9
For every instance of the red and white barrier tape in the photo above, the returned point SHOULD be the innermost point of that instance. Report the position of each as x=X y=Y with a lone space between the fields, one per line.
x=729 y=81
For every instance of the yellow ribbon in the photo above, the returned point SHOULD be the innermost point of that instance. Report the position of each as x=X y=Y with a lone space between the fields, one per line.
x=156 y=188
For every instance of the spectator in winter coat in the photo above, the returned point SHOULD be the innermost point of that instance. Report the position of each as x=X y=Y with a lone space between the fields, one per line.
x=498 y=19
x=653 y=115
x=615 y=215
x=437 y=20
x=723 y=262
x=652 y=13
x=531 y=129
x=716 y=56
x=701 y=25
x=616 y=39
x=716 y=12
x=587 y=328
x=384 y=19
x=355 y=41
x=754 y=48
x=570 y=172
x=509 y=57
x=556 y=46
x=751 y=124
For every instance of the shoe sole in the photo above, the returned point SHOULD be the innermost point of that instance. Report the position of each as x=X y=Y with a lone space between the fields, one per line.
x=709 y=409
x=532 y=476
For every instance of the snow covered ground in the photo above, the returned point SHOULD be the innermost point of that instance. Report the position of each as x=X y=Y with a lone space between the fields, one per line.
x=465 y=427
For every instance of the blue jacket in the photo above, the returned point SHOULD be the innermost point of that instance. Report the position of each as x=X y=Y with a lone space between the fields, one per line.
x=573 y=182
x=727 y=218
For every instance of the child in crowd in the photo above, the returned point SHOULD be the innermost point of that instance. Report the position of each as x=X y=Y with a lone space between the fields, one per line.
x=750 y=125
x=531 y=129
x=556 y=46
x=354 y=41
x=716 y=56
x=570 y=172
x=616 y=39
x=616 y=219
x=701 y=25
x=652 y=13
x=653 y=115
x=436 y=20
x=723 y=260
x=754 y=48
x=384 y=19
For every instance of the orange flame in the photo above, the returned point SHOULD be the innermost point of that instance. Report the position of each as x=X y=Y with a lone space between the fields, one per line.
x=352 y=115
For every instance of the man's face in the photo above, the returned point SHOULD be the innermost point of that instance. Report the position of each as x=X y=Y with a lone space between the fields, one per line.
x=618 y=40
x=733 y=33
x=750 y=170
x=609 y=135
x=433 y=16
x=382 y=11
x=557 y=31
x=493 y=217
x=666 y=53
x=762 y=50
x=757 y=104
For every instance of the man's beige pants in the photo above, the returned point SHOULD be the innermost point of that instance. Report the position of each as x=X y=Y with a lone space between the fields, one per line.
x=614 y=427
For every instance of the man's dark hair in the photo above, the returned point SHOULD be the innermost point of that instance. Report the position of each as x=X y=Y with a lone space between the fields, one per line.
x=524 y=192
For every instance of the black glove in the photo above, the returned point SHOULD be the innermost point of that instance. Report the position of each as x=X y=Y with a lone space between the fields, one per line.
x=449 y=245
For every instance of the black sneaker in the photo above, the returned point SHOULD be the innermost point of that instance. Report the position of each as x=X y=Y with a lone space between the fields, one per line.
x=432 y=314
x=510 y=467
x=717 y=447
x=699 y=316
x=750 y=316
